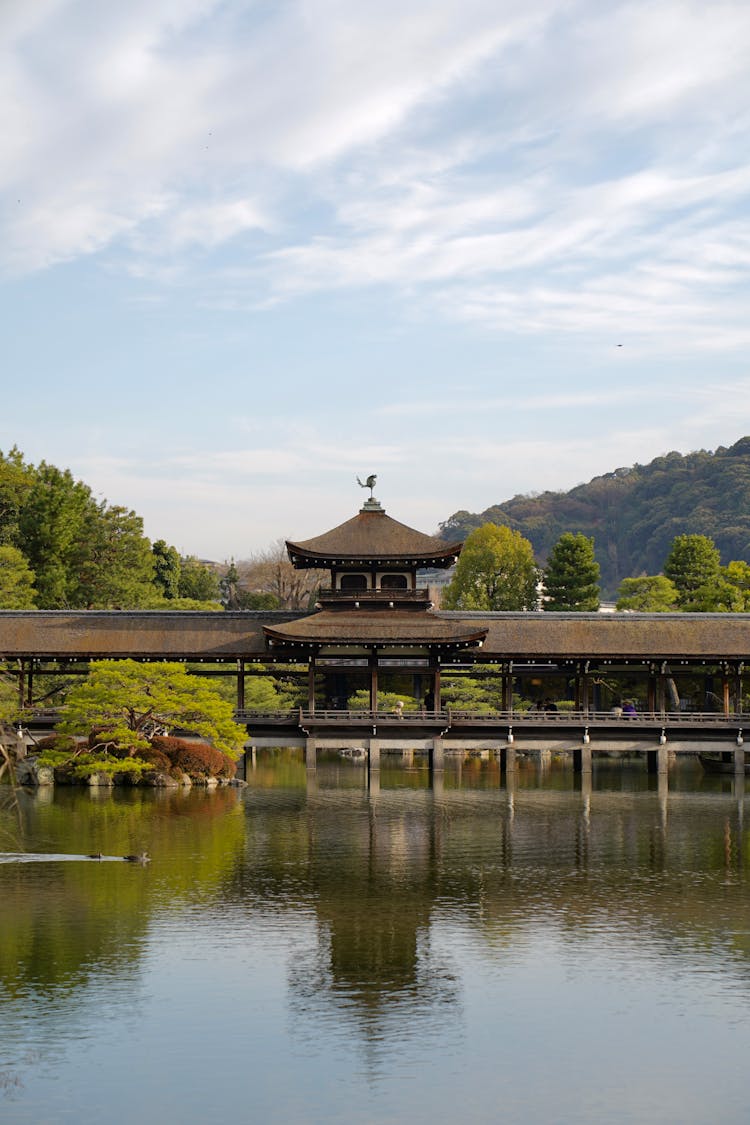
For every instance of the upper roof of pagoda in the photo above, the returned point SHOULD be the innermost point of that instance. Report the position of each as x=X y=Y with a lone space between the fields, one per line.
x=373 y=537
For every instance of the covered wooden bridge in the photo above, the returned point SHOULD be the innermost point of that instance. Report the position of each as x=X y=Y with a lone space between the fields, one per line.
x=560 y=678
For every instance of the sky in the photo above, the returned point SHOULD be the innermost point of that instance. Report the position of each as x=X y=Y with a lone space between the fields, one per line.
x=250 y=251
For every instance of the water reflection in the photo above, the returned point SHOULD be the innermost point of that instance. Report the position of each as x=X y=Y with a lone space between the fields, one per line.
x=407 y=918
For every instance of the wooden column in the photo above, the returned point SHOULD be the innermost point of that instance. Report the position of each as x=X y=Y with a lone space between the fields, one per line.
x=738 y=690
x=240 y=684
x=311 y=683
x=30 y=684
x=436 y=680
x=661 y=693
x=373 y=662
x=651 y=705
x=21 y=683
x=508 y=688
x=585 y=683
x=725 y=692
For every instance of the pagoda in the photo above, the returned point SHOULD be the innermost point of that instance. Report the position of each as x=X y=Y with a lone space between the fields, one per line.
x=374 y=618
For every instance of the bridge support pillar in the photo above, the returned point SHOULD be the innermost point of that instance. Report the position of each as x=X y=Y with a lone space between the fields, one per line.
x=582 y=759
x=507 y=759
x=437 y=755
x=373 y=755
x=657 y=761
x=311 y=753
x=739 y=760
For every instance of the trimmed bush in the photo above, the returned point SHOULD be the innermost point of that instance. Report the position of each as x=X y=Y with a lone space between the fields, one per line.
x=196 y=759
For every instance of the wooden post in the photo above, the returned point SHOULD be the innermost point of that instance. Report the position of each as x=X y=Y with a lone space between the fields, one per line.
x=240 y=684
x=436 y=682
x=373 y=662
x=725 y=692
x=651 y=705
x=661 y=693
x=311 y=683
x=21 y=683
x=30 y=683
x=508 y=688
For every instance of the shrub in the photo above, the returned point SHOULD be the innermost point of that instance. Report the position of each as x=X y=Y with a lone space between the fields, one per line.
x=157 y=760
x=197 y=759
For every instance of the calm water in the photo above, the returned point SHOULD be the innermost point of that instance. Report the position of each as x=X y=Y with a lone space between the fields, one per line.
x=310 y=952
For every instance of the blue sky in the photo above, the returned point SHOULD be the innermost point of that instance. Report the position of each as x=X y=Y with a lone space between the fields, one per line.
x=249 y=251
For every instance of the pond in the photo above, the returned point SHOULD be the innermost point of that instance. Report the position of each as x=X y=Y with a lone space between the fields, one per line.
x=312 y=949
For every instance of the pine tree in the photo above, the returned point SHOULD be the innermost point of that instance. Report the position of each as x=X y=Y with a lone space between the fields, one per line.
x=571 y=577
x=693 y=563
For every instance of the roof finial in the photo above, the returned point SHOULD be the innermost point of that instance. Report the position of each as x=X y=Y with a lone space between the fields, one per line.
x=372 y=504
x=369 y=483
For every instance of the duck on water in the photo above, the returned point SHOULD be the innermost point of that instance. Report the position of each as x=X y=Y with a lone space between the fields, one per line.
x=144 y=857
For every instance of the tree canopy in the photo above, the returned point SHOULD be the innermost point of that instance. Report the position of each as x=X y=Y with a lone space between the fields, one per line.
x=16 y=580
x=693 y=564
x=495 y=571
x=651 y=593
x=84 y=553
x=127 y=704
x=571 y=577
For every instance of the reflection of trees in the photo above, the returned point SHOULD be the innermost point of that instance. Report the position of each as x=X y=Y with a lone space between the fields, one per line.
x=64 y=922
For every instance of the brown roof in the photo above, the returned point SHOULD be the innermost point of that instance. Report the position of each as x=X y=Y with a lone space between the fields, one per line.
x=652 y=636
x=367 y=627
x=177 y=635
x=373 y=535
x=515 y=636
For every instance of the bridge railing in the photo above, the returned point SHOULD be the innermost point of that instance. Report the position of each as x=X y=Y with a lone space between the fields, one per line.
x=462 y=717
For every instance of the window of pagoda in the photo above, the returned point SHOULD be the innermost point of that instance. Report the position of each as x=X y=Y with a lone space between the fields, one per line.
x=394 y=582
x=353 y=582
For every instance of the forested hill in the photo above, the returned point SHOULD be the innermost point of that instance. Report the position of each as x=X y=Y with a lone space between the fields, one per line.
x=634 y=514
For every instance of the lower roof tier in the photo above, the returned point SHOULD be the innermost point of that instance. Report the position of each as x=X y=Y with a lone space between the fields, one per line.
x=376 y=628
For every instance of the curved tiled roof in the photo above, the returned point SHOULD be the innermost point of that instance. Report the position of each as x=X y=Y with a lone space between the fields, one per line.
x=374 y=535
x=372 y=628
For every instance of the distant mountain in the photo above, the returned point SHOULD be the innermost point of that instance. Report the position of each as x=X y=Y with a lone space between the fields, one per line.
x=634 y=514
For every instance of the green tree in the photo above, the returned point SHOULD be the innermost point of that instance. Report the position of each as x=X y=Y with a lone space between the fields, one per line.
x=127 y=703
x=255 y=599
x=51 y=531
x=16 y=479
x=198 y=581
x=16 y=580
x=693 y=562
x=651 y=593
x=571 y=577
x=114 y=567
x=495 y=571
x=166 y=569
x=718 y=596
x=736 y=575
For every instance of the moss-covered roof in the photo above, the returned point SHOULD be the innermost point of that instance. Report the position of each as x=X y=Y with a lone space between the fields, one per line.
x=373 y=535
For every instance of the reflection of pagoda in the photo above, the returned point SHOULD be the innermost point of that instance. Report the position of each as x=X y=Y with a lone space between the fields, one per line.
x=374 y=618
